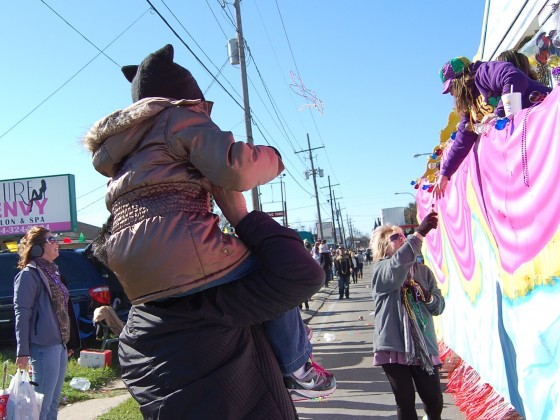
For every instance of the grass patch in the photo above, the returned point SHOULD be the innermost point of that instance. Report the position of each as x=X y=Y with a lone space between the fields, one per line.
x=98 y=377
x=129 y=410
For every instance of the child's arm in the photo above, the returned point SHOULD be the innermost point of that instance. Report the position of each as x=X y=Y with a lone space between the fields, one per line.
x=234 y=165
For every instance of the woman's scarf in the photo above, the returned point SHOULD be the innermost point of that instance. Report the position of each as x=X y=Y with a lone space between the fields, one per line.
x=415 y=323
x=59 y=296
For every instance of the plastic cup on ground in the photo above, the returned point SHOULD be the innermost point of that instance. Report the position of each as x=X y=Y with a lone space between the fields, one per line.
x=81 y=384
x=512 y=103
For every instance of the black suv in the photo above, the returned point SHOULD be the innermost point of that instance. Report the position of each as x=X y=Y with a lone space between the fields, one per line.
x=91 y=285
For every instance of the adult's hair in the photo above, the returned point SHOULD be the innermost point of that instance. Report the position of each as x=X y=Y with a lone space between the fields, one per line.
x=520 y=61
x=380 y=241
x=34 y=236
x=99 y=244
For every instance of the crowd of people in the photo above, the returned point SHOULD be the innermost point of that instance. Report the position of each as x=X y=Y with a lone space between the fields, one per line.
x=346 y=265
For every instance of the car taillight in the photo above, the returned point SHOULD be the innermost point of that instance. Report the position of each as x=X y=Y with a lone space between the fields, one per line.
x=100 y=294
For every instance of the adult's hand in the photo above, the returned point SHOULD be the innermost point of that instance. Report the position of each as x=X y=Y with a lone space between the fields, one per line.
x=232 y=203
x=430 y=222
x=22 y=362
x=441 y=185
x=426 y=294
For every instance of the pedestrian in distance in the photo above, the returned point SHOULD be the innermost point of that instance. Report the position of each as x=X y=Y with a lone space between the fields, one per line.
x=355 y=265
x=46 y=327
x=477 y=89
x=316 y=252
x=305 y=303
x=360 y=258
x=343 y=266
x=326 y=261
x=162 y=155
x=405 y=297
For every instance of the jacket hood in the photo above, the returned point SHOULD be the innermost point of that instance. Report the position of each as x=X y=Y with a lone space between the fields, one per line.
x=124 y=119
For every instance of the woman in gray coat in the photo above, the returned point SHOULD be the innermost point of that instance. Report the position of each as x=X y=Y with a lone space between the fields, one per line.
x=405 y=299
x=46 y=328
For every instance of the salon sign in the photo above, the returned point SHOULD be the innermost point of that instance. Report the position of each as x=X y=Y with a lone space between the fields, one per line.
x=48 y=201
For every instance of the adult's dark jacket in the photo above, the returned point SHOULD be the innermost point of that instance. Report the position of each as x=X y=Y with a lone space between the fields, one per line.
x=205 y=356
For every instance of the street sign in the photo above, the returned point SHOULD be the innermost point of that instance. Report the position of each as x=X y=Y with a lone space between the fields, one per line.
x=275 y=213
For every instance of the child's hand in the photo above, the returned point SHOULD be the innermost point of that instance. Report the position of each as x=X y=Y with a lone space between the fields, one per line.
x=489 y=118
x=440 y=186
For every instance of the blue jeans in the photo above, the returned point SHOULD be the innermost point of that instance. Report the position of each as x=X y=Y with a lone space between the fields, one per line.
x=343 y=285
x=49 y=367
x=288 y=338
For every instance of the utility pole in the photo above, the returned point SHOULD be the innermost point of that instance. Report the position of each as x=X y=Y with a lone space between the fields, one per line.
x=314 y=182
x=247 y=108
x=338 y=220
x=350 y=230
x=284 y=207
x=332 y=209
x=341 y=223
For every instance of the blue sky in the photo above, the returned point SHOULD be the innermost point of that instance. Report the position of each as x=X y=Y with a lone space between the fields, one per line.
x=373 y=63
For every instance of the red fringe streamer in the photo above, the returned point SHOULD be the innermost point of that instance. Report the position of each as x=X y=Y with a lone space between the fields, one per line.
x=476 y=399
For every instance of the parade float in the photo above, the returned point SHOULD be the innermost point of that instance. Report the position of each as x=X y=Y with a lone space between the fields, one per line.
x=496 y=253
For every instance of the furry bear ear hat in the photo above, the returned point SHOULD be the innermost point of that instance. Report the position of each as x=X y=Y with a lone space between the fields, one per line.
x=159 y=76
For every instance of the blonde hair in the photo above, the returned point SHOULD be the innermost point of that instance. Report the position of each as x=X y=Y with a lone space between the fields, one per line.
x=34 y=236
x=380 y=241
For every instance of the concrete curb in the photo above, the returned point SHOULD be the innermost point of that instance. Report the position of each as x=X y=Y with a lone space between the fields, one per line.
x=317 y=301
x=92 y=409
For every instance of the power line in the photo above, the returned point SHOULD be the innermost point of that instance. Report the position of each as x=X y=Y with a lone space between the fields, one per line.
x=297 y=70
x=228 y=14
x=75 y=74
x=193 y=54
x=177 y=35
x=91 y=204
x=81 y=34
x=214 y=78
x=216 y=19
x=274 y=106
x=286 y=34
x=89 y=192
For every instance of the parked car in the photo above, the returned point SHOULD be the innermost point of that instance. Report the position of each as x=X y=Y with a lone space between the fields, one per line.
x=91 y=284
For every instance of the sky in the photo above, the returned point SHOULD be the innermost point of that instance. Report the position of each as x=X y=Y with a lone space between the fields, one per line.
x=372 y=65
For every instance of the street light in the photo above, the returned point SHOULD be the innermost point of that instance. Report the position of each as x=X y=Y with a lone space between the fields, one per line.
x=413 y=196
x=422 y=154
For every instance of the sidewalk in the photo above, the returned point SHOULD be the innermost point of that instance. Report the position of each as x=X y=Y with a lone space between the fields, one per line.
x=92 y=409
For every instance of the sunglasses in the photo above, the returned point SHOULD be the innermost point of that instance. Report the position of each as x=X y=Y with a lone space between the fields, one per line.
x=50 y=240
x=396 y=236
